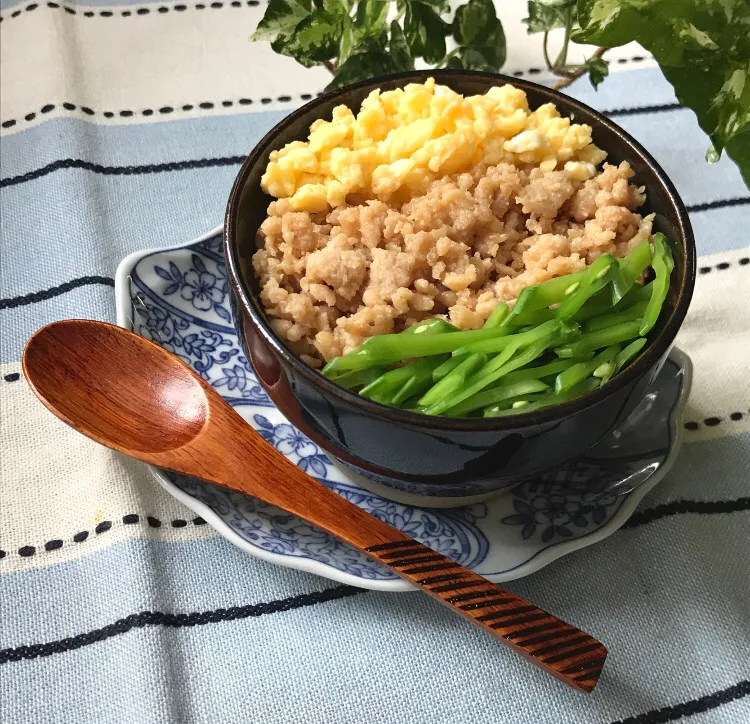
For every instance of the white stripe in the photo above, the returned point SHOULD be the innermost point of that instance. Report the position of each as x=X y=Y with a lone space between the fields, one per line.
x=58 y=483
x=716 y=335
x=182 y=58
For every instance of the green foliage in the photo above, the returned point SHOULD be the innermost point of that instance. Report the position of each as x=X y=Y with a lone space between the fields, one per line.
x=703 y=49
x=356 y=41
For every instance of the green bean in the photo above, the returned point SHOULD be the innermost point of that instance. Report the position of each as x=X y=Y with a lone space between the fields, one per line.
x=390 y=383
x=498 y=344
x=550 y=399
x=430 y=326
x=601 y=338
x=601 y=302
x=497 y=394
x=446 y=368
x=387 y=349
x=580 y=371
x=535 y=373
x=630 y=270
x=629 y=352
x=498 y=315
x=359 y=378
x=662 y=264
x=595 y=278
x=627 y=315
x=491 y=373
x=454 y=380
x=544 y=294
x=418 y=383
x=537 y=316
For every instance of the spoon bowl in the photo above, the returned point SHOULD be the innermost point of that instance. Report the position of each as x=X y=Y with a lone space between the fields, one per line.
x=157 y=406
x=133 y=396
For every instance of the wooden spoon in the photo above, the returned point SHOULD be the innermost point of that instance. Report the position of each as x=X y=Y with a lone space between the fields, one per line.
x=131 y=395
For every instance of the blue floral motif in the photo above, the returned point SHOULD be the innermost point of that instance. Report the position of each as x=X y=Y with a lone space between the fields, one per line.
x=185 y=315
x=576 y=496
x=206 y=291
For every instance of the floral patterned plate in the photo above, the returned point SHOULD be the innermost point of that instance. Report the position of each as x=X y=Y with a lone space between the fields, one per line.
x=179 y=299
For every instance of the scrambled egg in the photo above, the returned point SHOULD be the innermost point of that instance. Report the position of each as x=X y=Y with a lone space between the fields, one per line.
x=402 y=139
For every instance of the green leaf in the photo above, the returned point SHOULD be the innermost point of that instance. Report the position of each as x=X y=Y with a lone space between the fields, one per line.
x=425 y=32
x=472 y=21
x=703 y=49
x=370 y=16
x=347 y=40
x=544 y=17
x=480 y=36
x=315 y=39
x=361 y=66
x=399 y=49
x=598 y=70
x=280 y=19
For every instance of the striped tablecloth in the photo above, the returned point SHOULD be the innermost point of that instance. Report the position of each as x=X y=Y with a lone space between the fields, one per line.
x=122 y=127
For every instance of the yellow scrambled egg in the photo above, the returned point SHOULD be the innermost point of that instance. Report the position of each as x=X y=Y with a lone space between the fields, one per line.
x=402 y=139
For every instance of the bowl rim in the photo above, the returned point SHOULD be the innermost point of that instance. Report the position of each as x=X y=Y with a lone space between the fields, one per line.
x=655 y=351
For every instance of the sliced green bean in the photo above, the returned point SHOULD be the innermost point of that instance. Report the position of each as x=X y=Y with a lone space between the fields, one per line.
x=446 y=367
x=595 y=278
x=498 y=344
x=418 y=383
x=535 y=373
x=497 y=394
x=578 y=372
x=629 y=352
x=336 y=368
x=389 y=383
x=430 y=326
x=483 y=378
x=662 y=264
x=630 y=270
x=544 y=294
x=359 y=378
x=608 y=320
x=602 y=338
x=498 y=315
x=454 y=380
x=550 y=399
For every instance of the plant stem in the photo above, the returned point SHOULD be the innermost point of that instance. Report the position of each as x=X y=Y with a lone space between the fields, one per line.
x=562 y=57
x=445 y=60
x=545 y=50
x=330 y=67
x=574 y=74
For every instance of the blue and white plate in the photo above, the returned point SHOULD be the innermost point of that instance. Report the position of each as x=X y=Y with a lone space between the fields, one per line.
x=179 y=299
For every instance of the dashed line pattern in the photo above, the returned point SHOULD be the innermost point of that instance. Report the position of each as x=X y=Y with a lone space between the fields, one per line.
x=137 y=12
x=163 y=110
x=695 y=425
x=103 y=527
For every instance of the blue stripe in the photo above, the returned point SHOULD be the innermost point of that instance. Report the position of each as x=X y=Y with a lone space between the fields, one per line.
x=332 y=662
x=134 y=145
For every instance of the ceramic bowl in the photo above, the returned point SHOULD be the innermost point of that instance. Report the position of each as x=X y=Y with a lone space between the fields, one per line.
x=411 y=454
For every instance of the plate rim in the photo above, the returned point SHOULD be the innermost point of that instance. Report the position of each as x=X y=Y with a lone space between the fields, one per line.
x=539 y=560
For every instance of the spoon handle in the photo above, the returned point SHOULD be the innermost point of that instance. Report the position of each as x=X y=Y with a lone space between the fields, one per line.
x=555 y=646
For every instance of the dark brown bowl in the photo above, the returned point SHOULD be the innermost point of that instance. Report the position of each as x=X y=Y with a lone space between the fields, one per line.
x=413 y=454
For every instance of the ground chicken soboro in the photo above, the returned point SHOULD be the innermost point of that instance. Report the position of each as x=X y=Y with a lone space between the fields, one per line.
x=330 y=280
